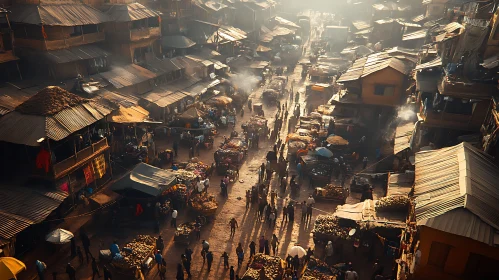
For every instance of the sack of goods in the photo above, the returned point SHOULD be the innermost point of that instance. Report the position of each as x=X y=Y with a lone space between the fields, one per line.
x=392 y=203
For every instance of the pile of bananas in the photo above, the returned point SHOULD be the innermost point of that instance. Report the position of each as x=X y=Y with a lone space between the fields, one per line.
x=204 y=202
x=333 y=191
x=392 y=203
x=328 y=225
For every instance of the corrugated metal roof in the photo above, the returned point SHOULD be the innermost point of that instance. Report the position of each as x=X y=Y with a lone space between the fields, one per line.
x=127 y=75
x=161 y=66
x=171 y=99
x=83 y=52
x=400 y=184
x=463 y=223
x=227 y=34
x=419 y=18
x=419 y=34
x=22 y=207
x=354 y=72
x=387 y=6
x=11 y=97
x=57 y=14
x=377 y=65
x=214 y=6
x=406 y=23
x=128 y=12
x=177 y=42
x=285 y=22
x=455 y=178
x=433 y=63
x=199 y=60
x=403 y=134
x=23 y=129
x=135 y=114
x=360 y=24
x=491 y=62
x=453 y=26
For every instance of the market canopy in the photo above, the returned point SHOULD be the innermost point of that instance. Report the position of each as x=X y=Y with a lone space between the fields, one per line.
x=10 y=267
x=192 y=113
x=147 y=179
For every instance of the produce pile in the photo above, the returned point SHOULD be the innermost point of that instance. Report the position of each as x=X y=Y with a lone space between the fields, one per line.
x=328 y=225
x=319 y=270
x=272 y=267
x=330 y=190
x=235 y=143
x=294 y=146
x=203 y=202
x=185 y=228
x=198 y=168
x=256 y=122
x=392 y=203
x=185 y=175
x=298 y=137
x=140 y=248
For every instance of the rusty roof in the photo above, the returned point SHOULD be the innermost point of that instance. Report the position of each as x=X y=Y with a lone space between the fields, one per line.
x=22 y=207
x=11 y=97
x=433 y=63
x=47 y=115
x=128 y=12
x=457 y=177
x=418 y=34
x=71 y=14
x=361 y=24
x=83 y=52
x=127 y=75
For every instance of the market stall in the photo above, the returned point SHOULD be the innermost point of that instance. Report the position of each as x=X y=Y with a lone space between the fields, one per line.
x=332 y=192
x=134 y=256
x=319 y=270
x=184 y=233
x=262 y=266
x=204 y=204
x=256 y=124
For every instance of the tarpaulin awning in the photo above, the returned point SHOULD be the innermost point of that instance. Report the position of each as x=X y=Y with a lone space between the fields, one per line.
x=147 y=179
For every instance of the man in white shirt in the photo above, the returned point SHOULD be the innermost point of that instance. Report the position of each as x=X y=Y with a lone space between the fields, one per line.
x=200 y=186
x=310 y=200
x=174 y=218
x=351 y=274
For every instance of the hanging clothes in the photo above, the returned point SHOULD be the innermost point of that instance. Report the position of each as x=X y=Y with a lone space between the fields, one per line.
x=43 y=160
x=99 y=166
x=89 y=174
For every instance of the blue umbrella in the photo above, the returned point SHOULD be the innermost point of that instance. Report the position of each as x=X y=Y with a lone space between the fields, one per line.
x=321 y=151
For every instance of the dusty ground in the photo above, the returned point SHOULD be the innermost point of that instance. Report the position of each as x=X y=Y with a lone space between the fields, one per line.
x=217 y=231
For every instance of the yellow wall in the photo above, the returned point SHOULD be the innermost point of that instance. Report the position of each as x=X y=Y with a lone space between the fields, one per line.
x=387 y=76
x=457 y=258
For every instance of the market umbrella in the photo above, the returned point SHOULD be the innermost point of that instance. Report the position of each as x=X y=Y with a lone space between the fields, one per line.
x=321 y=151
x=59 y=236
x=297 y=250
x=10 y=267
x=337 y=140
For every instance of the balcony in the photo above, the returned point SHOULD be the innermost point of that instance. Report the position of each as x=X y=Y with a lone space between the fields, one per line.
x=50 y=45
x=81 y=158
x=144 y=33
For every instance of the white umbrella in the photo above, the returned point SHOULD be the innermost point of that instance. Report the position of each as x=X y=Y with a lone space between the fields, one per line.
x=297 y=250
x=59 y=236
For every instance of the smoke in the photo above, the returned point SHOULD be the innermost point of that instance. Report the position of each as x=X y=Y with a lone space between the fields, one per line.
x=245 y=81
x=403 y=115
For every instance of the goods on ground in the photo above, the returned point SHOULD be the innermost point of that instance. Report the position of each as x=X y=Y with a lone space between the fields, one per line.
x=330 y=191
x=204 y=203
x=185 y=228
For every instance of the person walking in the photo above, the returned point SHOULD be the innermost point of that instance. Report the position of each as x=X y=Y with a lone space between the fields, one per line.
x=267 y=247
x=232 y=273
x=274 y=242
x=160 y=245
x=225 y=256
x=180 y=272
x=85 y=241
x=173 y=222
x=240 y=255
x=197 y=229
x=95 y=269
x=175 y=147
x=233 y=225
x=209 y=259
x=248 y=198
x=309 y=212
x=303 y=211
x=187 y=266
x=206 y=248
x=162 y=270
x=261 y=244
x=364 y=162
x=71 y=271
x=252 y=247
x=158 y=258
x=40 y=269
x=298 y=170
x=285 y=213
x=188 y=254
x=107 y=274
x=272 y=219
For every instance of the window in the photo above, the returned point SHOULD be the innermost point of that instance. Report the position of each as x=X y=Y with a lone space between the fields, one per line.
x=384 y=90
x=481 y=267
x=438 y=254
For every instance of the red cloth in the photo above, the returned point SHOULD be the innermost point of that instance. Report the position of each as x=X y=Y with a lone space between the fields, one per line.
x=89 y=175
x=43 y=160
x=138 y=210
